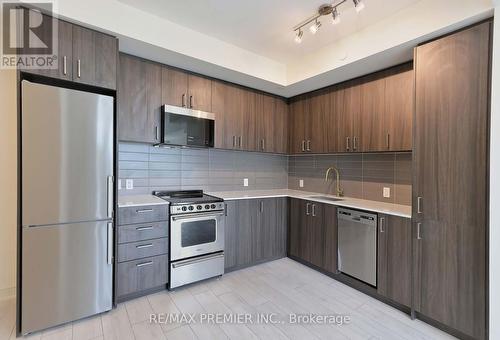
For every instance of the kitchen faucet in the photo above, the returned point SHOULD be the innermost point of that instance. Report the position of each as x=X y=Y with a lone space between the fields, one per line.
x=339 y=191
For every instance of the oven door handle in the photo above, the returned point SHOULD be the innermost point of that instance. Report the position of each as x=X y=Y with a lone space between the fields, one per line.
x=197 y=215
x=196 y=260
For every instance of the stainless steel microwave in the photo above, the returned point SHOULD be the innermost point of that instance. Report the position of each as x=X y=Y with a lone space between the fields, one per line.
x=187 y=127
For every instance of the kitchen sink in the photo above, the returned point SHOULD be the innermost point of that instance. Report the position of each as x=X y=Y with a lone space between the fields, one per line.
x=327 y=198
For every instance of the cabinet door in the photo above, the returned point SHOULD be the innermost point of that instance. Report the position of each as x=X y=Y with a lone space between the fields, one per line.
x=394 y=259
x=83 y=55
x=319 y=109
x=247 y=111
x=398 y=117
x=296 y=226
x=315 y=234
x=200 y=93
x=106 y=57
x=298 y=125
x=349 y=130
x=335 y=132
x=231 y=234
x=451 y=177
x=373 y=132
x=271 y=236
x=281 y=127
x=64 y=51
x=245 y=221
x=329 y=218
x=219 y=98
x=265 y=113
x=174 y=87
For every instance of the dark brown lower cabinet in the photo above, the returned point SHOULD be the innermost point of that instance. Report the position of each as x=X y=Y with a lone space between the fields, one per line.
x=254 y=231
x=394 y=258
x=313 y=233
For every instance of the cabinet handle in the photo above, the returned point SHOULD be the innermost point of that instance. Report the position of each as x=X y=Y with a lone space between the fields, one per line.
x=225 y=209
x=190 y=102
x=65 y=65
x=303 y=146
x=308 y=145
x=239 y=142
x=183 y=99
x=314 y=210
x=149 y=245
x=387 y=139
x=419 y=205
x=261 y=206
x=348 y=143
x=144 y=264
x=307 y=209
x=419 y=236
x=79 y=68
x=355 y=143
x=382 y=226
x=142 y=211
x=144 y=228
x=234 y=141
x=157 y=133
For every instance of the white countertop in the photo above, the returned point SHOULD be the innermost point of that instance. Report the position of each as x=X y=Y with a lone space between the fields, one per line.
x=138 y=200
x=348 y=202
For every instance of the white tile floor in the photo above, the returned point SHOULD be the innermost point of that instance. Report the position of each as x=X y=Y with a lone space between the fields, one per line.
x=281 y=287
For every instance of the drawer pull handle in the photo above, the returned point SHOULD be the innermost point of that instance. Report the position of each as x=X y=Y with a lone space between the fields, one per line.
x=149 y=245
x=142 y=211
x=144 y=264
x=144 y=228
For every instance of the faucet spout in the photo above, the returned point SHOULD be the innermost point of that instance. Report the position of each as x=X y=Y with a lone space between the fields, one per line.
x=338 y=190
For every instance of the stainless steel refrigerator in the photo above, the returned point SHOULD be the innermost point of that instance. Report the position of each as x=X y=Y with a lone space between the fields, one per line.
x=67 y=169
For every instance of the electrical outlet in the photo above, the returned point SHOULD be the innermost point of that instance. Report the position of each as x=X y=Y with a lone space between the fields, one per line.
x=129 y=184
x=301 y=183
x=387 y=192
x=245 y=182
x=119 y=184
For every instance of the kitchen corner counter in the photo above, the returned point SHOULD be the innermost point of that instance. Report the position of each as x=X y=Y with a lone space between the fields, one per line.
x=138 y=200
x=347 y=202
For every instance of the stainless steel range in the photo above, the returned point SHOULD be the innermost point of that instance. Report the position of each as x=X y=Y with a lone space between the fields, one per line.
x=196 y=236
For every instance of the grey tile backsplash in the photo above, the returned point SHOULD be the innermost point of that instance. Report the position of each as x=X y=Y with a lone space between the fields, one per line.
x=157 y=168
x=361 y=175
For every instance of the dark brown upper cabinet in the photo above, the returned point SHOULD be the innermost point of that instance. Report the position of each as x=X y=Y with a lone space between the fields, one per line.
x=298 y=119
x=84 y=56
x=450 y=179
x=270 y=124
x=372 y=109
x=139 y=100
x=316 y=129
x=186 y=90
x=394 y=258
x=95 y=57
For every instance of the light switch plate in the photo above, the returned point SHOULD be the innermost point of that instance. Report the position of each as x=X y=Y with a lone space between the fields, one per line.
x=119 y=184
x=129 y=184
x=387 y=192
x=301 y=183
x=245 y=182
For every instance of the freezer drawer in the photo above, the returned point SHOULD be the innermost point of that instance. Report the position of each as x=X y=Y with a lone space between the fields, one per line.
x=357 y=239
x=66 y=273
x=196 y=269
x=135 y=276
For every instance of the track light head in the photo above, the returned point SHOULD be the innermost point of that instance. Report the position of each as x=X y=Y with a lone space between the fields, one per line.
x=358 y=5
x=315 y=27
x=335 y=16
x=298 y=37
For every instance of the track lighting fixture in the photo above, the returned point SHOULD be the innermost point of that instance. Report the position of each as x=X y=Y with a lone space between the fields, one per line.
x=327 y=9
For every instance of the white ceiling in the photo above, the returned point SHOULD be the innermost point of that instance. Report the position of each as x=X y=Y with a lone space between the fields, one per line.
x=265 y=26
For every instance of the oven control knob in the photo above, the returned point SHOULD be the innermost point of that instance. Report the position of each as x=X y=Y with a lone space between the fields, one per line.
x=199 y=207
x=207 y=206
x=191 y=207
x=184 y=208
x=212 y=206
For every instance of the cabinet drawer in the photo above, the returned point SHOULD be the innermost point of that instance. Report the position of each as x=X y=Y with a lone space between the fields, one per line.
x=141 y=214
x=142 y=231
x=138 y=250
x=134 y=276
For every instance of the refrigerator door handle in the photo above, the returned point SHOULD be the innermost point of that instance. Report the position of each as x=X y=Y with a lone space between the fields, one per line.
x=110 y=243
x=110 y=197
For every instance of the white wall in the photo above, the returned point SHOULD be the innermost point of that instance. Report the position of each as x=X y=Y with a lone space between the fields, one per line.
x=8 y=181
x=495 y=184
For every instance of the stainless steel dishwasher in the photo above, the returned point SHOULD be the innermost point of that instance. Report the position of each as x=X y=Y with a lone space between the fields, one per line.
x=358 y=244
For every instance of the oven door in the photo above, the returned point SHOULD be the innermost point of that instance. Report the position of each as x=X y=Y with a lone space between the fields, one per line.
x=196 y=234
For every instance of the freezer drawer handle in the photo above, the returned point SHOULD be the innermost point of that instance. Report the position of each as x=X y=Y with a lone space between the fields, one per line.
x=149 y=245
x=197 y=260
x=144 y=264
x=142 y=211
